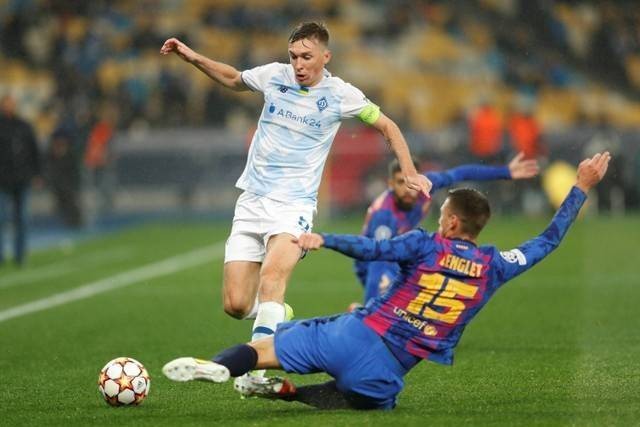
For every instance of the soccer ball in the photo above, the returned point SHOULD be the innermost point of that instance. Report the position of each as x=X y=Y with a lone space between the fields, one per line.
x=124 y=381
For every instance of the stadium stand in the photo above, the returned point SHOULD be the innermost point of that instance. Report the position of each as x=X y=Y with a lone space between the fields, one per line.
x=429 y=63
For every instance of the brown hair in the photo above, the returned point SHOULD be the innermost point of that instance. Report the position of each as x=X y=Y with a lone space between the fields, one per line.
x=310 y=30
x=471 y=207
x=394 y=166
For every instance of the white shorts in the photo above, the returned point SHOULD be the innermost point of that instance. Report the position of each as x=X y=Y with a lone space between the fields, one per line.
x=257 y=218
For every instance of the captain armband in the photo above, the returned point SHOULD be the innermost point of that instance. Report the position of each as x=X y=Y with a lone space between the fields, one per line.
x=369 y=114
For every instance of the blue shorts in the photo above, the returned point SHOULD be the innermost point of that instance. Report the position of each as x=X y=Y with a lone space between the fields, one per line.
x=346 y=349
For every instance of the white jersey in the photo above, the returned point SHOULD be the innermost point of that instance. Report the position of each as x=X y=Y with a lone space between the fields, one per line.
x=295 y=131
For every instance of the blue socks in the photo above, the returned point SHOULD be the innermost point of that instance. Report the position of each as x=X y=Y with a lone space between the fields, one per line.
x=239 y=359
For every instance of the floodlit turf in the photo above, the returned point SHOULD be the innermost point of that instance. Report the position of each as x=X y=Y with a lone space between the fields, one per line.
x=557 y=346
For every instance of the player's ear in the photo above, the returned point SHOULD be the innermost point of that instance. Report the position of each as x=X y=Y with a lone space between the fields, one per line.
x=326 y=56
x=454 y=222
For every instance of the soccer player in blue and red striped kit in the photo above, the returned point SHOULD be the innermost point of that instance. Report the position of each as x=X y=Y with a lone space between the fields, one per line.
x=445 y=280
x=400 y=209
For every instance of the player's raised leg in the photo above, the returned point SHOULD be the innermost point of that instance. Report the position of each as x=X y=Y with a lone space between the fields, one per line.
x=282 y=256
x=305 y=347
x=232 y=362
x=240 y=359
x=243 y=256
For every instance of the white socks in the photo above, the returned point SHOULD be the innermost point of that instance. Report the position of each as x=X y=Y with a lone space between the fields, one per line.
x=270 y=313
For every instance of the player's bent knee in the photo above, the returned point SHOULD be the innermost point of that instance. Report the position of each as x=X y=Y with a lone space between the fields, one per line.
x=236 y=311
x=237 y=307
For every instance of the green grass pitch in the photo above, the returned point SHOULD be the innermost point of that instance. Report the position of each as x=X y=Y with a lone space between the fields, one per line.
x=557 y=346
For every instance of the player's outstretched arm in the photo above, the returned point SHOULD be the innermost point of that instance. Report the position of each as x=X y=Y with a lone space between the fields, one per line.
x=518 y=168
x=392 y=134
x=224 y=74
x=405 y=247
x=514 y=262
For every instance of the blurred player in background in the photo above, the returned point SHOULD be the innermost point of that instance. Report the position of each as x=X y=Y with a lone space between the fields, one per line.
x=400 y=209
x=20 y=168
x=445 y=281
x=303 y=108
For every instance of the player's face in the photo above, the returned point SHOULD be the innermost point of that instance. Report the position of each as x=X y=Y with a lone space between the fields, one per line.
x=404 y=196
x=308 y=58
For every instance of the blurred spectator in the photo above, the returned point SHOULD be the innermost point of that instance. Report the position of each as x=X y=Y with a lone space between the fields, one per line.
x=525 y=134
x=19 y=167
x=216 y=107
x=12 y=35
x=97 y=159
x=485 y=128
x=174 y=90
x=63 y=175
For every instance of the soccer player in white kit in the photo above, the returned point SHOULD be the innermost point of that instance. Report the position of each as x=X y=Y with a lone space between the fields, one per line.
x=304 y=106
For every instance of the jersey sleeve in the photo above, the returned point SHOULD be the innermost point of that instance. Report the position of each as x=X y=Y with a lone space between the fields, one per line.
x=406 y=247
x=510 y=264
x=470 y=172
x=257 y=78
x=381 y=226
x=355 y=104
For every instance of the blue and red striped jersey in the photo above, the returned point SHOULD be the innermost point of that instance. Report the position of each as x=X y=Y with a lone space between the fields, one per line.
x=385 y=219
x=444 y=283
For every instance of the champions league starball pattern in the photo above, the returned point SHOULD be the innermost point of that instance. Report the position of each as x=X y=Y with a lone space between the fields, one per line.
x=124 y=381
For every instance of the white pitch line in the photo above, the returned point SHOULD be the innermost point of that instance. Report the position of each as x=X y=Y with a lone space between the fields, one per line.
x=149 y=271
x=52 y=270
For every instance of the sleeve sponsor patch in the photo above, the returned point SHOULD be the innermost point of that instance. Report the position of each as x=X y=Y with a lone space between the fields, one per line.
x=514 y=256
x=382 y=233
